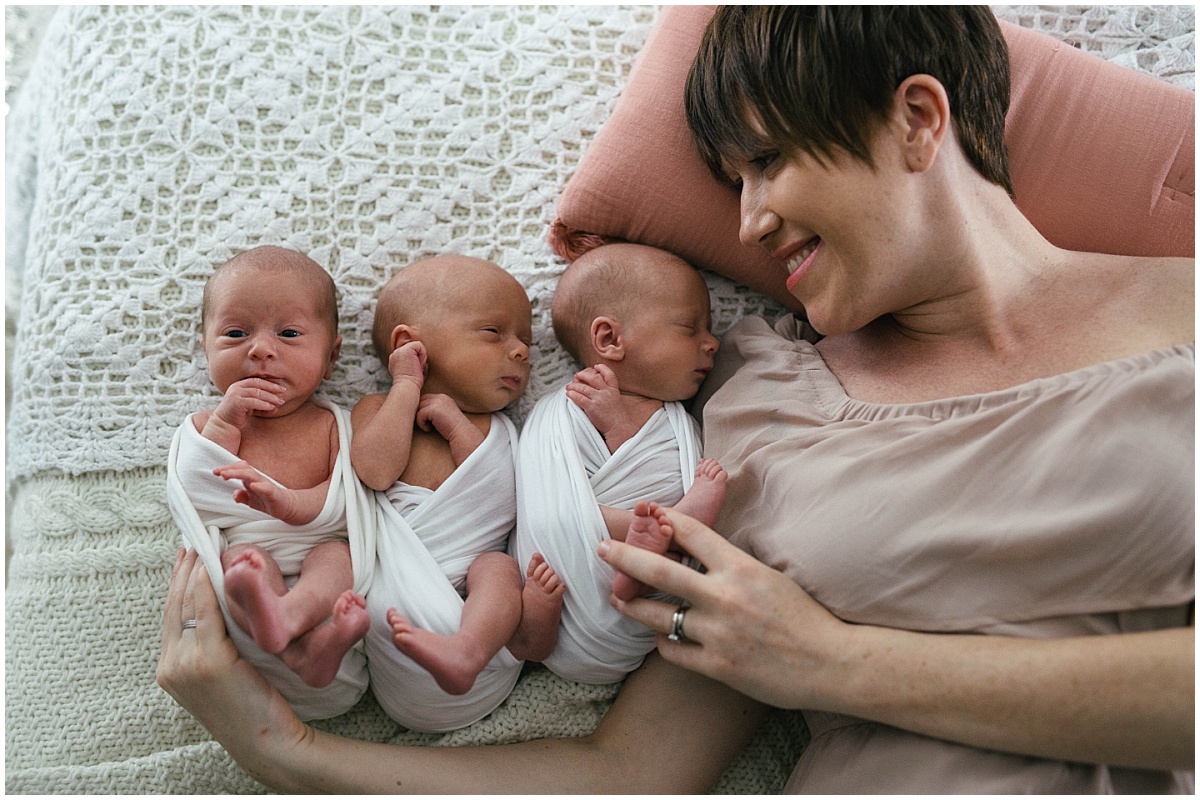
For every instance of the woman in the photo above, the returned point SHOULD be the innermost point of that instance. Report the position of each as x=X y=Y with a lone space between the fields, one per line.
x=881 y=186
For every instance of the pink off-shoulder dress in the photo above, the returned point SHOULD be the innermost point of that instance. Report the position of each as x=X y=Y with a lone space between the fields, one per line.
x=1060 y=507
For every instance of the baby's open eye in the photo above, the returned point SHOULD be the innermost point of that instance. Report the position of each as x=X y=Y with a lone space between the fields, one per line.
x=234 y=334
x=289 y=334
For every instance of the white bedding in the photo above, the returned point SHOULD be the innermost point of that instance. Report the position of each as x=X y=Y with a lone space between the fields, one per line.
x=149 y=143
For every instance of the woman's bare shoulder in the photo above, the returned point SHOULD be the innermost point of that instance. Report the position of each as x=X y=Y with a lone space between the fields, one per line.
x=1163 y=297
x=1151 y=300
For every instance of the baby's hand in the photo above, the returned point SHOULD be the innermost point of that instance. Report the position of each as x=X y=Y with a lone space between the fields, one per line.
x=247 y=398
x=438 y=412
x=408 y=362
x=595 y=390
x=259 y=492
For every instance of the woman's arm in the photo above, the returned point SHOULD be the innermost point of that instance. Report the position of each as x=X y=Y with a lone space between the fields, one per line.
x=1124 y=699
x=669 y=730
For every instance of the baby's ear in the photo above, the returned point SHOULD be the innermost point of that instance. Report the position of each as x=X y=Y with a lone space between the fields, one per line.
x=606 y=339
x=402 y=335
x=334 y=352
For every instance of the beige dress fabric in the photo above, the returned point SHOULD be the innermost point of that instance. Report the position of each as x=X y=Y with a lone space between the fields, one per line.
x=1064 y=506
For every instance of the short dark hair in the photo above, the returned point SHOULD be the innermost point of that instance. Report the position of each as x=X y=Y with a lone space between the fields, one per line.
x=821 y=78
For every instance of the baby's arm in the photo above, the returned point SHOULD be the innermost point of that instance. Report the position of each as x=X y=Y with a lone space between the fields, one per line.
x=439 y=412
x=595 y=390
x=383 y=424
x=242 y=399
x=293 y=506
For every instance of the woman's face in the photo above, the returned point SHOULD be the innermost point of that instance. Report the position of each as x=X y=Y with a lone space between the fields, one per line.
x=837 y=227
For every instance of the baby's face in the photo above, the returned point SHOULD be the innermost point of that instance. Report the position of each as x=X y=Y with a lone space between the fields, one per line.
x=669 y=343
x=478 y=347
x=276 y=333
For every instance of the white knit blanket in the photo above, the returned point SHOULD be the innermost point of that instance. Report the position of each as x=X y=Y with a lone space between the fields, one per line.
x=427 y=541
x=203 y=507
x=150 y=142
x=565 y=473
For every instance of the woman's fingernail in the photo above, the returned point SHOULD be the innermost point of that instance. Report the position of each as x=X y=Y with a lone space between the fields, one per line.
x=603 y=549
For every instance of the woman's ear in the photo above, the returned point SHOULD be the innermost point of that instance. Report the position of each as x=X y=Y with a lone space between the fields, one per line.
x=606 y=339
x=402 y=335
x=924 y=111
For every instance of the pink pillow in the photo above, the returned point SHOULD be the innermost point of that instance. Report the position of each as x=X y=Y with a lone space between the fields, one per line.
x=1103 y=159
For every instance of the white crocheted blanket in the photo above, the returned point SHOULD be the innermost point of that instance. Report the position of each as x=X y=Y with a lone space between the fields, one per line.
x=147 y=144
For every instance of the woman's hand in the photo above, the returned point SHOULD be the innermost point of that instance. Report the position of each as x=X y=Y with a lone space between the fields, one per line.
x=1126 y=699
x=200 y=667
x=746 y=625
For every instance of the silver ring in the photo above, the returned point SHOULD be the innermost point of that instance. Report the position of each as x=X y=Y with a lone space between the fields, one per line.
x=676 y=634
x=189 y=623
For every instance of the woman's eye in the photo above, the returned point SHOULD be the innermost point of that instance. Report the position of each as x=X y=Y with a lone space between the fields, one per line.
x=764 y=160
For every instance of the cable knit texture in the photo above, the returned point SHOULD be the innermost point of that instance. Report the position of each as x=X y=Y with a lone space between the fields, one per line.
x=148 y=144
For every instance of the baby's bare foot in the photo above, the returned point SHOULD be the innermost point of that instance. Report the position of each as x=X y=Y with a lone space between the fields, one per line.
x=541 y=607
x=247 y=588
x=704 y=499
x=317 y=656
x=453 y=661
x=648 y=533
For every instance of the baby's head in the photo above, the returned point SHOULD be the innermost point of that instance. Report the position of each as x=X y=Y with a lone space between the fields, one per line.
x=282 y=270
x=270 y=313
x=475 y=321
x=642 y=311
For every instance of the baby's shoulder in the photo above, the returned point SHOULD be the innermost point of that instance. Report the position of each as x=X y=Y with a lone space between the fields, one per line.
x=200 y=418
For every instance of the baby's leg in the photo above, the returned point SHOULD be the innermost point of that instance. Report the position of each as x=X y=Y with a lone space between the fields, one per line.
x=253 y=589
x=541 y=607
x=317 y=655
x=490 y=616
x=271 y=613
x=702 y=501
x=645 y=532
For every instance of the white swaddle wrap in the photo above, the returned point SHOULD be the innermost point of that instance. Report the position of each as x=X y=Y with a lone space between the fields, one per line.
x=203 y=507
x=427 y=541
x=564 y=473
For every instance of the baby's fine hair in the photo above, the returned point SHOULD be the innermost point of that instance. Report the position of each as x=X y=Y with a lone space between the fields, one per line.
x=421 y=287
x=606 y=281
x=280 y=260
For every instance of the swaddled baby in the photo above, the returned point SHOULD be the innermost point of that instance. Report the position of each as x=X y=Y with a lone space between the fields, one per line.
x=452 y=616
x=594 y=452
x=262 y=485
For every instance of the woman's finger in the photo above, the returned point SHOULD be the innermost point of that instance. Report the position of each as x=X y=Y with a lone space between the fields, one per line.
x=700 y=541
x=204 y=607
x=688 y=535
x=172 y=608
x=652 y=569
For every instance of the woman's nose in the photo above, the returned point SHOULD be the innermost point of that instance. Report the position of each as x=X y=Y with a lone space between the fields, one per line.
x=757 y=222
